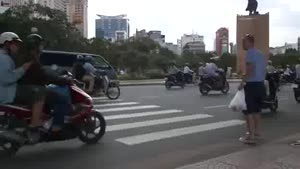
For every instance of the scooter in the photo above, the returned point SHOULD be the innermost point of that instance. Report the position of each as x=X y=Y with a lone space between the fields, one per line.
x=104 y=84
x=208 y=83
x=296 y=88
x=271 y=101
x=174 y=80
x=84 y=122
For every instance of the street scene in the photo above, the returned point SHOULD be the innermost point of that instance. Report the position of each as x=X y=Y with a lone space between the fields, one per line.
x=150 y=127
x=115 y=85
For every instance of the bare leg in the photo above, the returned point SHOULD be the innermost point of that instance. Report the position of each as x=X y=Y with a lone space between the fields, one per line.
x=37 y=109
x=257 y=121
x=247 y=124
x=251 y=126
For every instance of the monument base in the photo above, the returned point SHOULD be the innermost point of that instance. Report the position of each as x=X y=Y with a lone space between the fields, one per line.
x=256 y=25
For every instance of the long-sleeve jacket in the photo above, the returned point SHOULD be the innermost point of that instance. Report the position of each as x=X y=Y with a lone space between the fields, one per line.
x=9 y=76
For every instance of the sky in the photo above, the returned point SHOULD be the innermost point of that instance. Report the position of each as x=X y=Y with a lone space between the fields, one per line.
x=177 y=17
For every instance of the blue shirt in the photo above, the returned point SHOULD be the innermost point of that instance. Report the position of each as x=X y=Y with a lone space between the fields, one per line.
x=259 y=62
x=211 y=69
x=89 y=68
x=9 y=76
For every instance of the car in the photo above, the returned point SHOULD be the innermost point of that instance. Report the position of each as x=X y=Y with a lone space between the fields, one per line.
x=66 y=60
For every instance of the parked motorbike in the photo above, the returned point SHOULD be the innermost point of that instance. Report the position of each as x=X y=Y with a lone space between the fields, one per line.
x=174 y=80
x=296 y=88
x=271 y=101
x=219 y=83
x=84 y=123
x=103 y=84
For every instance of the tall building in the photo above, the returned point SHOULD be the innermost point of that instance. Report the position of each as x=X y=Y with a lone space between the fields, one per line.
x=53 y=4
x=10 y=3
x=222 y=41
x=107 y=26
x=193 y=43
x=157 y=37
x=76 y=11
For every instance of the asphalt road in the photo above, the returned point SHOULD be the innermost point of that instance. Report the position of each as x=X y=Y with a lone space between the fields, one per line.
x=154 y=128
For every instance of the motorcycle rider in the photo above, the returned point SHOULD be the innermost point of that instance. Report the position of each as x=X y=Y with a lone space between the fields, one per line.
x=89 y=76
x=10 y=91
x=297 y=67
x=173 y=70
x=211 y=70
x=37 y=75
x=201 y=69
x=188 y=73
x=270 y=67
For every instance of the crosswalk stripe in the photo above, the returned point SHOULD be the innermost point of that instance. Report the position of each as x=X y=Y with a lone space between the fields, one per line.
x=100 y=98
x=107 y=101
x=143 y=114
x=126 y=126
x=155 y=136
x=127 y=108
x=116 y=104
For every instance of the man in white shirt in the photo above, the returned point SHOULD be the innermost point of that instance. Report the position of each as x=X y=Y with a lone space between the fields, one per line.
x=188 y=73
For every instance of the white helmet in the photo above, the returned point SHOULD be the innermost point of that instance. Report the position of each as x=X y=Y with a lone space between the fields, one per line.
x=8 y=37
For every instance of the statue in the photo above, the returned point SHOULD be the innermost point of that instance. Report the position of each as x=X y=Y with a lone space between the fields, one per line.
x=252 y=7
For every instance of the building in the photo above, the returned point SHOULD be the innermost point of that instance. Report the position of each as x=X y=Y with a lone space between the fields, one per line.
x=298 y=43
x=141 y=34
x=258 y=26
x=172 y=47
x=3 y=9
x=281 y=49
x=107 y=26
x=53 y=4
x=10 y=3
x=191 y=38
x=195 y=43
x=121 y=35
x=76 y=11
x=222 y=41
x=156 y=36
x=195 y=47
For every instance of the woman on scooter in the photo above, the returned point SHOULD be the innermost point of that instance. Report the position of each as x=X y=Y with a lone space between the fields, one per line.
x=37 y=75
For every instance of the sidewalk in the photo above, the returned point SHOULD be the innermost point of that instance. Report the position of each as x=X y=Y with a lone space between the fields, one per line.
x=276 y=155
x=155 y=82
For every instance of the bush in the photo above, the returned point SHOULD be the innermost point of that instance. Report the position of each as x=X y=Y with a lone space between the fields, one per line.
x=155 y=74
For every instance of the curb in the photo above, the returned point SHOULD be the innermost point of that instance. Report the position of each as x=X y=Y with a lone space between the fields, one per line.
x=161 y=83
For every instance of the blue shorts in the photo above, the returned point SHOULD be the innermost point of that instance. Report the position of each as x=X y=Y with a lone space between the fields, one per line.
x=255 y=93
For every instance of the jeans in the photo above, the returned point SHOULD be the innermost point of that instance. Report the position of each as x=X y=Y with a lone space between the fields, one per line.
x=59 y=100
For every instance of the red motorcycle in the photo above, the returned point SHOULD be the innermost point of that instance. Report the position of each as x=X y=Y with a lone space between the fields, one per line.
x=84 y=123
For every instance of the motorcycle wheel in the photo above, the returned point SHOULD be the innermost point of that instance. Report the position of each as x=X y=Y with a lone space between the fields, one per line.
x=10 y=147
x=226 y=88
x=113 y=93
x=93 y=126
x=204 y=90
x=168 y=84
x=274 y=106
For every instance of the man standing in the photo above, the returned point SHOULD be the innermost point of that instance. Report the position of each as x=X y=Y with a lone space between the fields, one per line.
x=253 y=84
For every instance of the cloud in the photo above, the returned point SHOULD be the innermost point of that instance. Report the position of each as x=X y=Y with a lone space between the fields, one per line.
x=178 y=17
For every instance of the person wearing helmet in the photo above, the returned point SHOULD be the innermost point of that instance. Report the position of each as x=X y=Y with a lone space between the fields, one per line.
x=10 y=90
x=90 y=72
x=77 y=69
x=270 y=67
x=201 y=69
x=37 y=75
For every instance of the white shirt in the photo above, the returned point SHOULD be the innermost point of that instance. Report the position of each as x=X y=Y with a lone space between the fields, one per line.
x=211 y=69
x=187 y=70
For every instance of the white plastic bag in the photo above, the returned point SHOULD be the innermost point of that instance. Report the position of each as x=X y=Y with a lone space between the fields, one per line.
x=238 y=102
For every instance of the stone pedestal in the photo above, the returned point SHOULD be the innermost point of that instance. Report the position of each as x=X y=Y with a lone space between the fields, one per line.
x=256 y=25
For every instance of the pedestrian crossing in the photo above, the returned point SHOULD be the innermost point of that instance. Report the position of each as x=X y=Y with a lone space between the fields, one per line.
x=133 y=116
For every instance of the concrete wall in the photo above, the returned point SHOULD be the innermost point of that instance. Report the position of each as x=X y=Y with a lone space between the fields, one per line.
x=258 y=26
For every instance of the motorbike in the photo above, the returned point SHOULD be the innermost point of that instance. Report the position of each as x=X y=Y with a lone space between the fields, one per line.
x=219 y=83
x=83 y=122
x=296 y=88
x=271 y=100
x=103 y=84
x=189 y=78
x=174 y=80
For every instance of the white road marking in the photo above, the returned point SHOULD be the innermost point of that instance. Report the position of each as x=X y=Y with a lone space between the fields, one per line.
x=127 y=108
x=214 y=107
x=155 y=136
x=126 y=126
x=143 y=114
x=116 y=104
x=281 y=99
x=107 y=101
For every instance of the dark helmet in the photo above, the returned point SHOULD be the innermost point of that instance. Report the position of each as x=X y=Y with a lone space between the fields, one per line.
x=33 y=41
